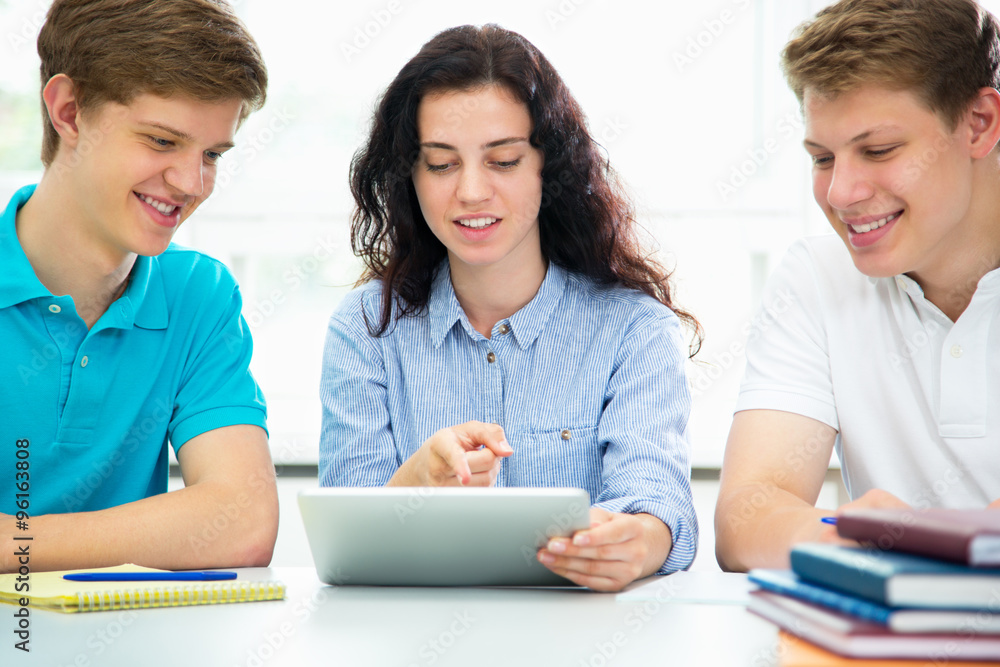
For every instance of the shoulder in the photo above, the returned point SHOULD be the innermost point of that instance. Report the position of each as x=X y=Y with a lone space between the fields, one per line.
x=823 y=265
x=366 y=298
x=623 y=319
x=192 y=269
x=617 y=303
x=359 y=308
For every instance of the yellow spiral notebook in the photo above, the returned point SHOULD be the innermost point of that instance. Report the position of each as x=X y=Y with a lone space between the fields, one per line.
x=48 y=590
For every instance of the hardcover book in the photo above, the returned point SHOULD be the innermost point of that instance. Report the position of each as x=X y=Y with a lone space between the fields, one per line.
x=896 y=579
x=962 y=536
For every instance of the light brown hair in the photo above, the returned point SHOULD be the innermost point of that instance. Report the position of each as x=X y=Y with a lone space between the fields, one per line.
x=114 y=50
x=944 y=51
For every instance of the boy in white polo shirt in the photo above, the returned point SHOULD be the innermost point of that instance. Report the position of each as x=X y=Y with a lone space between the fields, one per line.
x=885 y=354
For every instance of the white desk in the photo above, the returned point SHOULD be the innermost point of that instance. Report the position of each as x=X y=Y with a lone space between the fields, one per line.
x=404 y=627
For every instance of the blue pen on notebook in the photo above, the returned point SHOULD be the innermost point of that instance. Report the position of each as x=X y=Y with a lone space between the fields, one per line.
x=150 y=576
x=832 y=520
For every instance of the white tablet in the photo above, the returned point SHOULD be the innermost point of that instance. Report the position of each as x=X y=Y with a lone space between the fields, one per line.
x=426 y=536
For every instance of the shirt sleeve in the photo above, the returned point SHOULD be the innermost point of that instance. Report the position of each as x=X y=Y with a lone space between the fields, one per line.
x=356 y=445
x=788 y=361
x=217 y=388
x=646 y=465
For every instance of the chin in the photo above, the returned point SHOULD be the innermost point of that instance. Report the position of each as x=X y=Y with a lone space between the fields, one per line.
x=875 y=269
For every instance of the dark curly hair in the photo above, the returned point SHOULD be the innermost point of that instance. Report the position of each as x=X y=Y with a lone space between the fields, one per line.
x=586 y=223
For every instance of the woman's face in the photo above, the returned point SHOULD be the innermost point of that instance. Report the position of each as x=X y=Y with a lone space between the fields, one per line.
x=478 y=179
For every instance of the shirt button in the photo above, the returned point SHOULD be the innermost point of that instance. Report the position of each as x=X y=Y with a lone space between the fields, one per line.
x=956 y=351
x=84 y=362
x=504 y=329
x=565 y=435
x=901 y=283
x=55 y=309
x=491 y=357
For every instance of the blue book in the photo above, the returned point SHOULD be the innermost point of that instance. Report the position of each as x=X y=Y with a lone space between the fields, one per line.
x=895 y=579
x=785 y=582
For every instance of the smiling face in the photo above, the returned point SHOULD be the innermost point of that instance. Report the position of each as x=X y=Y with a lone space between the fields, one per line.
x=895 y=182
x=139 y=170
x=478 y=179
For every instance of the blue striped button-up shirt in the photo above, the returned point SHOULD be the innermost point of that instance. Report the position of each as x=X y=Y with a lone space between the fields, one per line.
x=587 y=382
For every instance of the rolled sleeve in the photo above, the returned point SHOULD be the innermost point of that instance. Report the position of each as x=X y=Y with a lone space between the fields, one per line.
x=644 y=426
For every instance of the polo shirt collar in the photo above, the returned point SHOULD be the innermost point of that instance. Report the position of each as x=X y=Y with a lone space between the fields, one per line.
x=145 y=297
x=18 y=282
x=989 y=283
x=143 y=304
x=526 y=324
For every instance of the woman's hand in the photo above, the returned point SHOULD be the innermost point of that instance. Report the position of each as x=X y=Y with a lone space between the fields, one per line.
x=616 y=550
x=465 y=455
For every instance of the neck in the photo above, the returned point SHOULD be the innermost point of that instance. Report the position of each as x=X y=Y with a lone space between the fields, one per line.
x=952 y=287
x=950 y=281
x=492 y=293
x=65 y=252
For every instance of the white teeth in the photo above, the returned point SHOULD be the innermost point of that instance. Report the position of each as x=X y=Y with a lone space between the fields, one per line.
x=477 y=223
x=165 y=209
x=863 y=229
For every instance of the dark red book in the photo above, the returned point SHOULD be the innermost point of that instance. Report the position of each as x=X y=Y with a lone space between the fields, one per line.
x=961 y=536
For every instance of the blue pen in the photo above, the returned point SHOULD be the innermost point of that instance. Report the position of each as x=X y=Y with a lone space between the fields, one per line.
x=150 y=576
x=832 y=520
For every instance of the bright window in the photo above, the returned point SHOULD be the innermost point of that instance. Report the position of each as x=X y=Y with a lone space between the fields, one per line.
x=687 y=98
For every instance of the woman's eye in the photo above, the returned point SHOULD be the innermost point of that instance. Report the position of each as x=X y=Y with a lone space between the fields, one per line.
x=507 y=165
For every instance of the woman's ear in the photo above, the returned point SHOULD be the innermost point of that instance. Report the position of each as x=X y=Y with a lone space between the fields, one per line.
x=59 y=95
x=984 y=120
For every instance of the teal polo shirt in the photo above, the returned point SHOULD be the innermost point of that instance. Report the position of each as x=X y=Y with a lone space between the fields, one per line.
x=169 y=360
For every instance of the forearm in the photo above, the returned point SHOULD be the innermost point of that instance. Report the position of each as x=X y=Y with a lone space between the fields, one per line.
x=757 y=527
x=212 y=524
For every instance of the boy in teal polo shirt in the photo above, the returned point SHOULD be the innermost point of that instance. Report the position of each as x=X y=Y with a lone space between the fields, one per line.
x=114 y=341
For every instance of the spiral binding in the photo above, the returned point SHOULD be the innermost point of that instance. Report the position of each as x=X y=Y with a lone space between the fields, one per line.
x=198 y=594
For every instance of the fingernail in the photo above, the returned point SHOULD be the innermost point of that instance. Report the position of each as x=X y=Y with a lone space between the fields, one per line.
x=581 y=540
x=504 y=445
x=557 y=546
x=546 y=557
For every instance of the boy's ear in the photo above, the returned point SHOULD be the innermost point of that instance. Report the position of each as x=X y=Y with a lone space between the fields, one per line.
x=984 y=118
x=59 y=95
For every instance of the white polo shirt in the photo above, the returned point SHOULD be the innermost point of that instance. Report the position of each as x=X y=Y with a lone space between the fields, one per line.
x=913 y=396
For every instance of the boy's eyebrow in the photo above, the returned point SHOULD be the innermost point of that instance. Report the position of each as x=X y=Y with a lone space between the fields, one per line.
x=492 y=144
x=180 y=134
x=861 y=137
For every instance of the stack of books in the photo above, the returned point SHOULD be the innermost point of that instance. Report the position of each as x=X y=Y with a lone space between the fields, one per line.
x=925 y=585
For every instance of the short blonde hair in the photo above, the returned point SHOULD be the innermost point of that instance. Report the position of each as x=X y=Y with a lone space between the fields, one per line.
x=945 y=51
x=114 y=50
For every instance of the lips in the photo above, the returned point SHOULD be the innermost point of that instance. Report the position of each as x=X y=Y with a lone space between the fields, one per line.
x=875 y=224
x=477 y=223
x=163 y=207
x=870 y=232
x=163 y=213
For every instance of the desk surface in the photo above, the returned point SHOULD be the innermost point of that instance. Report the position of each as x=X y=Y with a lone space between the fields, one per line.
x=405 y=627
